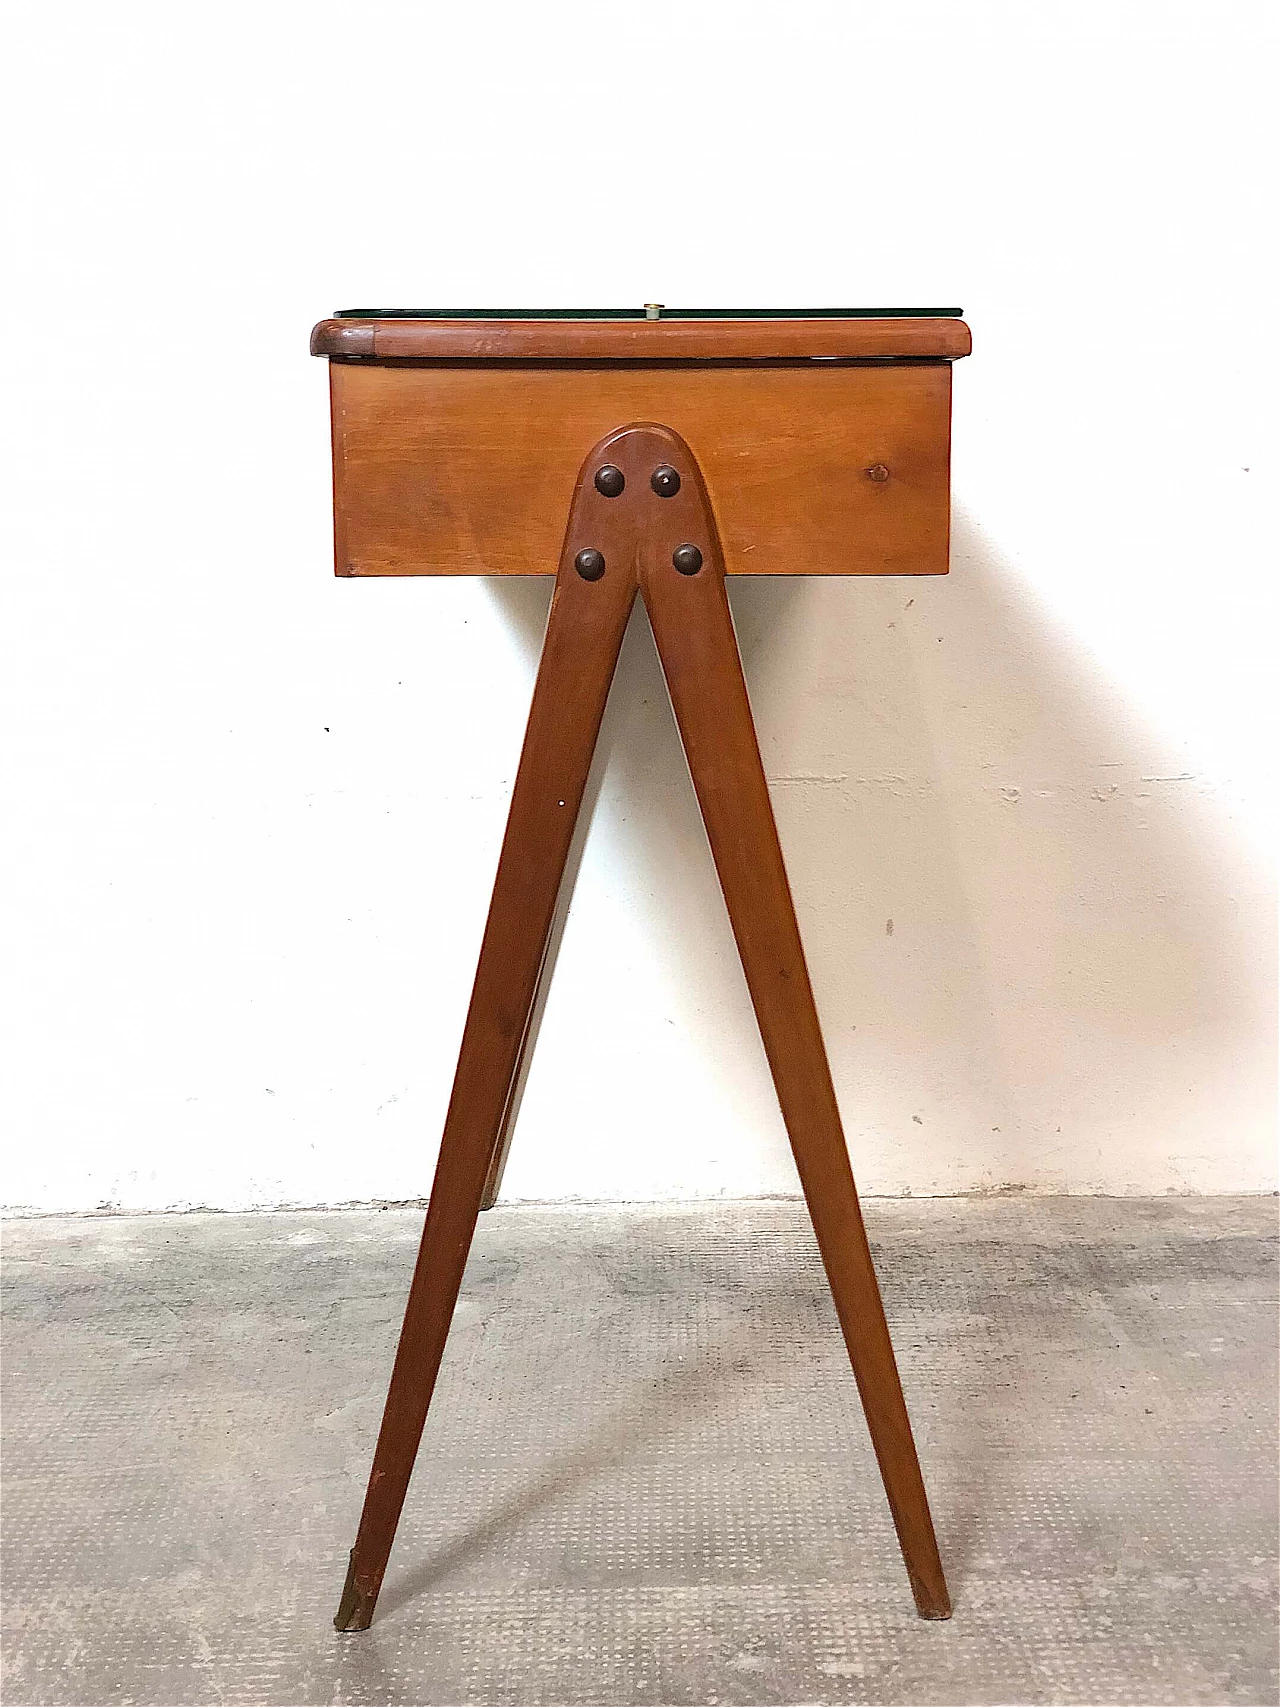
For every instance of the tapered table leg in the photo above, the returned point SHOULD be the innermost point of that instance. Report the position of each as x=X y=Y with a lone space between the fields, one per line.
x=584 y=634
x=693 y=628
x=502 y=1149
x=664 y=535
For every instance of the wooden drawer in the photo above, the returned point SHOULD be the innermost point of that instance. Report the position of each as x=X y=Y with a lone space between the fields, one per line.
x=816 y=468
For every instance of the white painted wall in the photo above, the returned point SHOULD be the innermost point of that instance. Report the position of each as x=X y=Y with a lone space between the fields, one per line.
x=253 y=812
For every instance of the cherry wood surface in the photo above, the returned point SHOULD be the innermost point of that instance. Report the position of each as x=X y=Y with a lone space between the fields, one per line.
x=811 y=470
x=638 y=533
x=584 y=635
x=641 y=340
x=693 y=629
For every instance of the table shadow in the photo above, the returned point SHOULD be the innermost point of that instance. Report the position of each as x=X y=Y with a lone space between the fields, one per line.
x=947 y=764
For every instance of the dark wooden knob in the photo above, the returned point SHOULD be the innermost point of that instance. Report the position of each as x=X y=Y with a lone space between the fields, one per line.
x=664 y=480
x=610 y=481
x=589 y=563
x=687 y=559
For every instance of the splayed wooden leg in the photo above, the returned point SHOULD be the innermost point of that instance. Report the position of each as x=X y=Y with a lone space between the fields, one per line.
x=694 y=631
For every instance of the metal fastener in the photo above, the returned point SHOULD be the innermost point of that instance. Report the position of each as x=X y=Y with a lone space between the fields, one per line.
x=664 y=480
x=687 y=559
x=877 y=472
x=609 y=480
x=589 y=563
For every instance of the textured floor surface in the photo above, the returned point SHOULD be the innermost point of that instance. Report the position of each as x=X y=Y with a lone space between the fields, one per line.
x=646 y=1477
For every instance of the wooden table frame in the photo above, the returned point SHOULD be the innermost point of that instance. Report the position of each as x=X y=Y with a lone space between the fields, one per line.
x=641 y=520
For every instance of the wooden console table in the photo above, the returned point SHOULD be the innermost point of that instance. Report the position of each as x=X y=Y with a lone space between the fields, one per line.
x=682 y=446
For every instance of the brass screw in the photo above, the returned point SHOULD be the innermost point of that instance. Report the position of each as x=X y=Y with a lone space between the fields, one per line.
x=878 y=472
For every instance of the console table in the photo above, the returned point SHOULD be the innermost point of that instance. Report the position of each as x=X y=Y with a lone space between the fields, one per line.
x=644 y=452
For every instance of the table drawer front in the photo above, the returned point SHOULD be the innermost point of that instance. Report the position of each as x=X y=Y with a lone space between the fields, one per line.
x=812 y=470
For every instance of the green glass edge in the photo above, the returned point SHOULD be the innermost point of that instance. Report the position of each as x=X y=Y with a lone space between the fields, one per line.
x=639 y=314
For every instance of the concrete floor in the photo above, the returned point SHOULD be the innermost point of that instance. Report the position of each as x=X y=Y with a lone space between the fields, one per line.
x=646 y=1477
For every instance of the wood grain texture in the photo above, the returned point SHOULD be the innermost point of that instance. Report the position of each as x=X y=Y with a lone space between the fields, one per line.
x=584 y=635
x=693 y=629
x=642 y=340
x=465 y=470
x=639 y=534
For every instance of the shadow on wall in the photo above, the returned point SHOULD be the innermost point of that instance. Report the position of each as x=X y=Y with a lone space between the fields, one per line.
x=1026 y=925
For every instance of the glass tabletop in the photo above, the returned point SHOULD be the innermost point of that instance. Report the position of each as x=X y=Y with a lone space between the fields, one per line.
x=650 y=311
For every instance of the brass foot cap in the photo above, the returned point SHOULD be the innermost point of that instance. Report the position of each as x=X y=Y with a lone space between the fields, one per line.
x=355 y=1609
